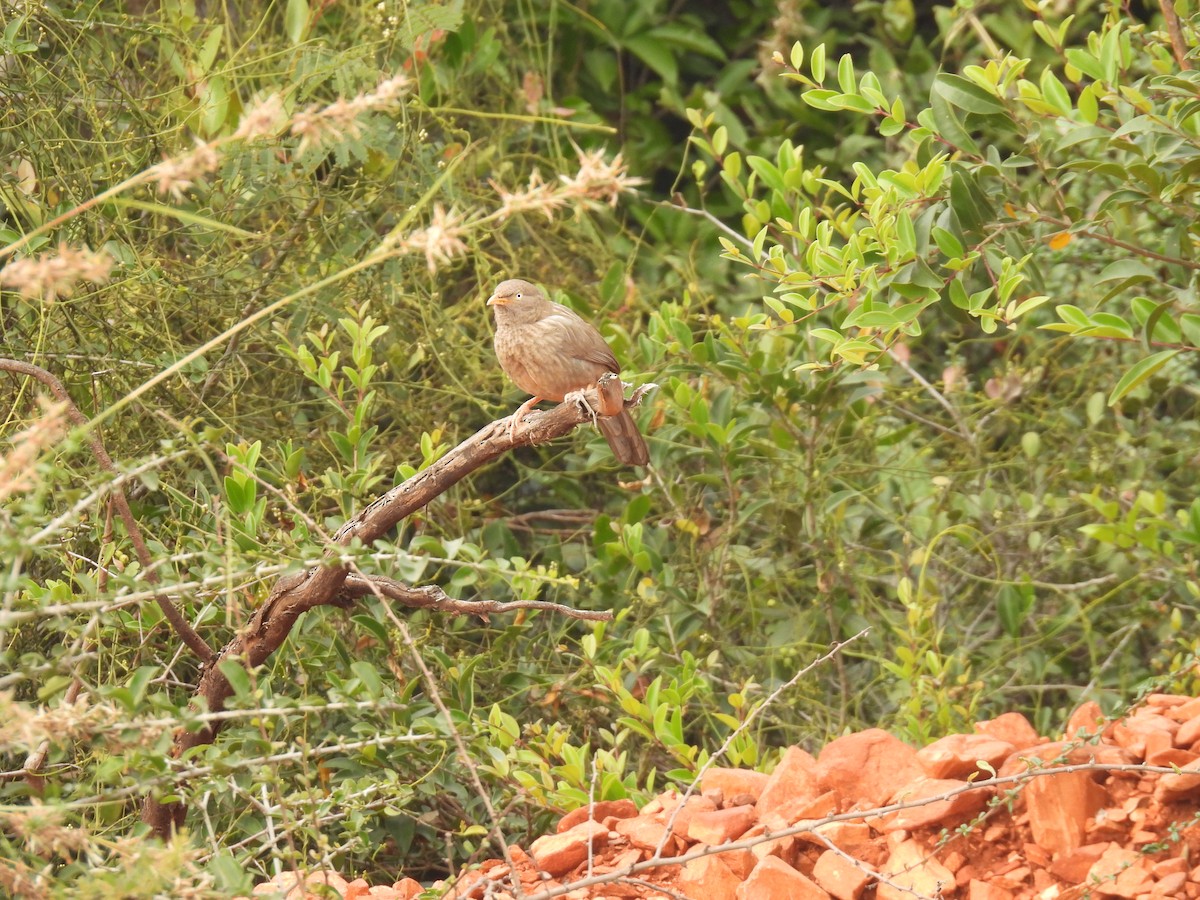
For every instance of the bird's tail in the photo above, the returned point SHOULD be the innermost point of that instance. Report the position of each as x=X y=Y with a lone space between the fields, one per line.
x=623 y=437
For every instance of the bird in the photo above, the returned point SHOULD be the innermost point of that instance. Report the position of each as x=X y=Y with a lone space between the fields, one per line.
x=549 y=351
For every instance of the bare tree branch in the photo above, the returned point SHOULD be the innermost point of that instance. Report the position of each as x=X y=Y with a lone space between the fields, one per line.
x=331 y=585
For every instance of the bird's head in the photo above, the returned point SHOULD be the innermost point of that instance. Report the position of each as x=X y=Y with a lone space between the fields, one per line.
x=513 y=290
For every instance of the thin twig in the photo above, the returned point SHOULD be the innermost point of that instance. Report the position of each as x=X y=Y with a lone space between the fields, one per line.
x=182 y=627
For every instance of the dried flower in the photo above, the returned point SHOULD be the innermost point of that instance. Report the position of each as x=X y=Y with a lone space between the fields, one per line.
x=600 y=179
x=51 y=276
x=17 y=471
x=263 y=119
x=340 y=118
x=175 y=175
x=440 y=241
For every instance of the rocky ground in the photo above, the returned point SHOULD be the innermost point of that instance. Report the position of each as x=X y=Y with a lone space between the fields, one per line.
x=1109 y=810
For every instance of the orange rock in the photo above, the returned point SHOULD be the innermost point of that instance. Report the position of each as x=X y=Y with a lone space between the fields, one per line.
x=1012 y=727
x=910 y=869
x=315 y=881
x=1073 y=867
x=622 y=809
x=793 y=781
x=1059 y=807
x=978 y=890
x=773 y=879
x=1175 y=787
x=844 y=835
x=645 y=833
x=1165 y=701
x=560 y=853
x=949 y=811
x=708 y=876
x=387 y=892
x=1120 y=873
x=356 y=889
x=784 y=847
x=957 y=755
x=1157 y=742
x=1087 y=719
x=1132 y=733
x=793 y=811
x=678 y=816
x=839 y=877
x=1165 y=867
x=735 y=782
x=1168 y=888
x=408 y=888
x=1189 y=733
x=865 y=767
x=1184 y=711
x=740 y=862
x=720 y=826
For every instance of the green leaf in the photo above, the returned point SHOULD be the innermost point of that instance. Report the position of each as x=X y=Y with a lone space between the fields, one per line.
x=966 y=95
x=237 y=676
x=845 y=73
x=816 y=62
x=295 y=20
x=950 y=245
x=656 y=55
x=1139 y=373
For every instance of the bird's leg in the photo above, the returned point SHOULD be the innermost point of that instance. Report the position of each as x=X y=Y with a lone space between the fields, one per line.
x=516 y=418
x=581 y=398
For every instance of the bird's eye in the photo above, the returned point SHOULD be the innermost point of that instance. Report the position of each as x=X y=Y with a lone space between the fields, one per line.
x=518 y=295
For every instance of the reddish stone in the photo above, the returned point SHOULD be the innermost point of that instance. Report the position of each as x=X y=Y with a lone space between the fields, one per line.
x=708 y=876
x=1166 y=701
x=957 y=755
x=1059 y=807
x=1073 y=867
x=1012 y=727
x=783 y=847
x=1132 y=733
x=720 y=826
x=840 y=877
x=621 y=809
x=773 y=879
x=356 y=889
x=409 y=888
x=1188 y=733
x=1175 y=787
x=645 y=833
x=793 y=781
x=678 y=816
x=1087 y=719
x=560 y=853
x=979 y=890
x=735 y=782
x=1173 y=757
x=1168 y=888
x=866 y=767
x=1119 y=873
x=911 y=869
x=949 y=811
x=813 y=808
x=1184 y=711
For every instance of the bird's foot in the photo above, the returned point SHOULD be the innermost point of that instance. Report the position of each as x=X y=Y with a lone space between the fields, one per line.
x=580 y=397
x=519 y=416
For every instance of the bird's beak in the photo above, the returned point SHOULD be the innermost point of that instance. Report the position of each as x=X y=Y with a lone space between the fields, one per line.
x=493 y=300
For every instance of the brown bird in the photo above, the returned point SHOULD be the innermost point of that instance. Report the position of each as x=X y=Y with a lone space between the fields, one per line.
x=549 y=351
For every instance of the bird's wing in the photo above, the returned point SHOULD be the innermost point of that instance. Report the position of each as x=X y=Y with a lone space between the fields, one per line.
x=573 y=337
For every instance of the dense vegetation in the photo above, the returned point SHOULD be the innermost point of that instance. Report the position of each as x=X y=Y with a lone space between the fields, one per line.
x=918 y=286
